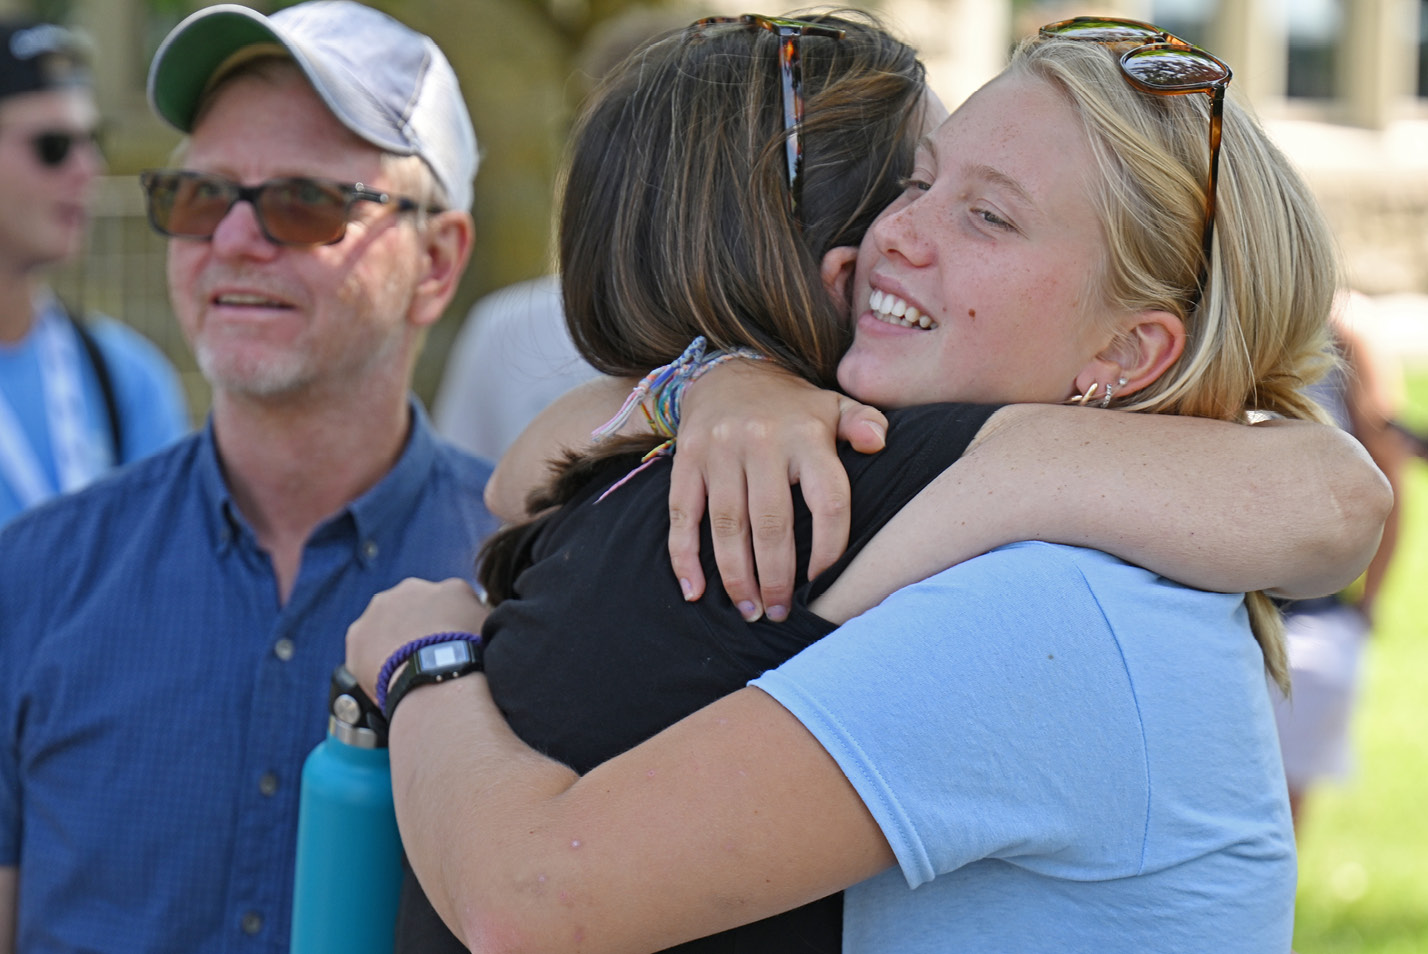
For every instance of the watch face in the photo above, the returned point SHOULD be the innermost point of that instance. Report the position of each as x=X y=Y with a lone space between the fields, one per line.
x=444 y=657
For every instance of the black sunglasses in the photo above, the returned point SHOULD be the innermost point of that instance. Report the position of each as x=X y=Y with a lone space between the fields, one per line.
x=297 y=211
x=1161 y=63
x=53 y=147
x=791 y=71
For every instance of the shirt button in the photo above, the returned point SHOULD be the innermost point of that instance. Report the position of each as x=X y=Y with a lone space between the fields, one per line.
x=283 y=649
x=369 y=549
x=268 y=784
x=252 y=922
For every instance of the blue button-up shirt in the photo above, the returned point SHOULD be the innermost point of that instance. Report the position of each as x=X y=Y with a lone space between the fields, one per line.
x=157 y=703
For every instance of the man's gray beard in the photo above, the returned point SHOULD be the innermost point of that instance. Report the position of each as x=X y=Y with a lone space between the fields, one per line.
x=271 y=378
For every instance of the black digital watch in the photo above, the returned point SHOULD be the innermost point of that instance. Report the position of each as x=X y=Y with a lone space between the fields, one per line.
x=435 y=663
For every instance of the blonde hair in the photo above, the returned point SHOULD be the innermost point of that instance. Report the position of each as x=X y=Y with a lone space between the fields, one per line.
x=1258 y=334
x=412 y=177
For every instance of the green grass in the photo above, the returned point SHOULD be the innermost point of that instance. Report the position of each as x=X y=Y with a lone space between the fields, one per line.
x=1363 y=857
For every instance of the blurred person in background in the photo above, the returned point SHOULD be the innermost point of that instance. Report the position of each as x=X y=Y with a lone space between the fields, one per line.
x=75 y=399
x=1325 y=637
x=513 y=355
x=512 y=358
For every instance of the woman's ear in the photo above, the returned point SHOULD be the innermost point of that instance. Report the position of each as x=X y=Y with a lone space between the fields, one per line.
x=837 y=273
x=1138 y=355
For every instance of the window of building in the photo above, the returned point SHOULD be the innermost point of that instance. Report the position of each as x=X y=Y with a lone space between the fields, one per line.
x=1423 y=48
x=1188 y=19
x=1315 y=31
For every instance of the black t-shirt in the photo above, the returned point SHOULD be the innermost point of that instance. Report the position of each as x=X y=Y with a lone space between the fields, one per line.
x=598 y=651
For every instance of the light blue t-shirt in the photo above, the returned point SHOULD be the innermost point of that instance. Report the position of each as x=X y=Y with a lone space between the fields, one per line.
x=1065 y=752
x=148 y=397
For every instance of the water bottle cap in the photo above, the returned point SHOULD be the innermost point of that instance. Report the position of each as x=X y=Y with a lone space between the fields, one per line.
x=350 y=708
x=355 y=736
x=347 y=709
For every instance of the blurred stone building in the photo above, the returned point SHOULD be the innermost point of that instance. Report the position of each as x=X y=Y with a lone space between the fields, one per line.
x=1342 y=84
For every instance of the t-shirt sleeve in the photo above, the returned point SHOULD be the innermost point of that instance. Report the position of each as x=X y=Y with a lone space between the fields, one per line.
x=984 y=713
x=150 y=395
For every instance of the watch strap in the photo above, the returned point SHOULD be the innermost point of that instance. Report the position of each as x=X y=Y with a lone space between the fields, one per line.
x=406 y=651
x=411 y=675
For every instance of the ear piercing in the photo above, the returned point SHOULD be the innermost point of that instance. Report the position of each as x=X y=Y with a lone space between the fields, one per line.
x=1110 y=390
x=1084 y=399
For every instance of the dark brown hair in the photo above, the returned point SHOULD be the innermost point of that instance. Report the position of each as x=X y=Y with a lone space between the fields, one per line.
x=675 y=219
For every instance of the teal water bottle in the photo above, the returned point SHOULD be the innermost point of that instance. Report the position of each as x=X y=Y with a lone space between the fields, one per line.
x=349 y=856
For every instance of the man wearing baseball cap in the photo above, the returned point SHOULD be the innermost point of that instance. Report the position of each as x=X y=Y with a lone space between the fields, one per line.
x=75 y=399
x=167 y=635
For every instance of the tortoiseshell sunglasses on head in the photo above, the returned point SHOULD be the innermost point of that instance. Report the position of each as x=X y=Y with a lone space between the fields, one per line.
x=1162 y=63
x=789 y=32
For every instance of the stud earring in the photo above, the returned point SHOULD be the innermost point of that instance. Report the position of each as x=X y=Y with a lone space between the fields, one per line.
x=1110 y=390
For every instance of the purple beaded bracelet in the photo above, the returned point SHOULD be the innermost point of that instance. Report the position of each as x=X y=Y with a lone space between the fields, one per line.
x=410 y=649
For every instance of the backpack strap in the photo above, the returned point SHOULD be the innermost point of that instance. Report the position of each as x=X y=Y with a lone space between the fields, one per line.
x=106 y=384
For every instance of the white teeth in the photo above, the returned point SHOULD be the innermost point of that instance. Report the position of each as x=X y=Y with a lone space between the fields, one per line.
x=248 y=300
x=886 y=306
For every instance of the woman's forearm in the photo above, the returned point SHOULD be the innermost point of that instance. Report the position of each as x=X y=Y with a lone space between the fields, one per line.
x=731 y=815
x=564 y=425
x=1292 y=507
x=734 y=814
x=455 y=770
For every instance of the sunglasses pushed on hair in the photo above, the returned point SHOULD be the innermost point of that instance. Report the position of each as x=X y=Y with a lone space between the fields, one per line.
x=789 y=32
x=1159 y=62
x=296 y=211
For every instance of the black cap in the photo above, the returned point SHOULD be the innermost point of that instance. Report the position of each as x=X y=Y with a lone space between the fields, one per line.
x=40 y=56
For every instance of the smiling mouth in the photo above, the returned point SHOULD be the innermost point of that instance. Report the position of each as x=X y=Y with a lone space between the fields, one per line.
x=249 y=301
x=887 y=307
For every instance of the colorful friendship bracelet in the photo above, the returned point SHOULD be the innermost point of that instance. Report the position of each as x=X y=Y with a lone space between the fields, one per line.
x=660 y=395
x=664 y=389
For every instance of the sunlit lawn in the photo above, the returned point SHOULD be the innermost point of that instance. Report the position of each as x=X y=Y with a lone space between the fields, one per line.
x=1363 y=859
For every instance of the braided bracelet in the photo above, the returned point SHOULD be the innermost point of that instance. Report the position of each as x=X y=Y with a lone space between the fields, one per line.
x=406 y=652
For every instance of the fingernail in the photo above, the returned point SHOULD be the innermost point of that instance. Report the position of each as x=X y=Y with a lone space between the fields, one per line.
x=880 y=431
x=688 y=589
x=749 y=611
x=778 y=613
